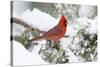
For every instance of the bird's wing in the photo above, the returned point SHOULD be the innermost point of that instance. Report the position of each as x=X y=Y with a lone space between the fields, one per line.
x=53 y=32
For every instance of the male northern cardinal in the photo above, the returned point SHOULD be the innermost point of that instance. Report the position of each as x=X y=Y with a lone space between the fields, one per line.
x=56 y=32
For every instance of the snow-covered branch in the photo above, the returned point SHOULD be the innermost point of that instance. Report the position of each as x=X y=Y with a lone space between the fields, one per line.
x=24 y=23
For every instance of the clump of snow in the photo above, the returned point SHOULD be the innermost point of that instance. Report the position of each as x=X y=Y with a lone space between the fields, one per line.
x=82 y=22
x=94 y=26
x=39 y=19
x=90 y=23
x=23 y=57
x=87 y=11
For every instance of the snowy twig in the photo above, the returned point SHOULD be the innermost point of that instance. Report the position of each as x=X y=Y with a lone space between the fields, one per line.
x=23 y=23
x=20 y=22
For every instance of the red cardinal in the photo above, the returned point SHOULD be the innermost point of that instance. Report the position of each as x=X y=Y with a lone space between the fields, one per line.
x=56 y=32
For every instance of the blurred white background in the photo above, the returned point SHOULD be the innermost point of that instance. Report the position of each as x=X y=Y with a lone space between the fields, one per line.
x=5 y=32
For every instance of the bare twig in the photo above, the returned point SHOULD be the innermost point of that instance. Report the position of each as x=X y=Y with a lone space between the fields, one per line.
x=66 y=36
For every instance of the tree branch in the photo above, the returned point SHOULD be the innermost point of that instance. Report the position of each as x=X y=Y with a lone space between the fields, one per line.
x=19 y=21
x=23 y=23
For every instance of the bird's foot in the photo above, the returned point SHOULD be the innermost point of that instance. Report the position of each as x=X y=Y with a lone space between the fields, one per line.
x=56 y=45
x=52 y=44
